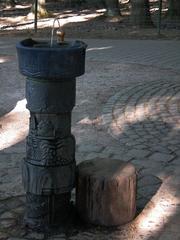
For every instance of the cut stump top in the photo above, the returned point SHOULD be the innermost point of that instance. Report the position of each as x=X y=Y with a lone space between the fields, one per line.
x=106 y=168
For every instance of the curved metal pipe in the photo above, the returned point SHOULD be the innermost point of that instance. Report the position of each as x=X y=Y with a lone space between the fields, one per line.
x=52 y=31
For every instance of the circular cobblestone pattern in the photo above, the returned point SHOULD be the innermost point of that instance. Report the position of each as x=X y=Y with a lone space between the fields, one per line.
x=146 y=119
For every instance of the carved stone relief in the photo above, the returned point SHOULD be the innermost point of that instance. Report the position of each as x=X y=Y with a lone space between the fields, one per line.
x=50 y=152
x=49 y=168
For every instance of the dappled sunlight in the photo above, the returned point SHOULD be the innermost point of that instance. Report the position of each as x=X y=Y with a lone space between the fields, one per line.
x=130 y=116
x=21 y=22
x=14 y=125
x=4 y=59
x=88 y=121
x=145 y=121
x=17 y=6
x=103 y=10
x=99 y=48
x=177 y=126
x=12 y=23
x=153 y=110
x=155 y=9
x=122 y=117
x=73 y=18
x=12 y=20
x=161 y=210
x=154 y=217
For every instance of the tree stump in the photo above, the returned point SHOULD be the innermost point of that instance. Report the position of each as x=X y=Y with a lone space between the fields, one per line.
x=106 y=192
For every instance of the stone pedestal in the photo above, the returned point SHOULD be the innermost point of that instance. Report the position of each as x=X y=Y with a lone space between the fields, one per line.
x=49 y=167
x=106 y=192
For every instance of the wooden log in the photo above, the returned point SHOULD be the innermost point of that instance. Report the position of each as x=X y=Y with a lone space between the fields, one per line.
x=106 y=192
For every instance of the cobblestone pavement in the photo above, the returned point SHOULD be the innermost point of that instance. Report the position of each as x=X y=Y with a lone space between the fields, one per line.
x=161 y=54
x=145 y=119
x=128 y=107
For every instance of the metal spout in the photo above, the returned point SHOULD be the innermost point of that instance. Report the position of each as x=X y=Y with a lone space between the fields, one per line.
x=60 y=33
x=60 y=36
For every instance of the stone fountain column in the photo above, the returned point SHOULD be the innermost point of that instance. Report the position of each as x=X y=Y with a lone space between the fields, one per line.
x=49 y=167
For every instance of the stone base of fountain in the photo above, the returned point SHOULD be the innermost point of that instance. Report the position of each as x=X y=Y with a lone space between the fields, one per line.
x=44 y=213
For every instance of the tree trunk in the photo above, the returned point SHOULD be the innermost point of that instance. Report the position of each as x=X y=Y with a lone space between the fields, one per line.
x=112 y=8
x=140 y=15
x=42 y=12
x=174 y=10
x=10 y=3
x=106 y=191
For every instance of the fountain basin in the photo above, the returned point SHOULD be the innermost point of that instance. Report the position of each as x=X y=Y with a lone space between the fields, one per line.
x=60 y=61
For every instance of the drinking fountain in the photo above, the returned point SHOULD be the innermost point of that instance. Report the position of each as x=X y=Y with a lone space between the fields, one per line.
x=48 y=170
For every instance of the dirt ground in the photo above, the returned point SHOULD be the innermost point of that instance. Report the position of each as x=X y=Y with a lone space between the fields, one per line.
x=80 y=22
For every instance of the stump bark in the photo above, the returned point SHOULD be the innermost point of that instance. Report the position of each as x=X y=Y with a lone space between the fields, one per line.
x=106 y=192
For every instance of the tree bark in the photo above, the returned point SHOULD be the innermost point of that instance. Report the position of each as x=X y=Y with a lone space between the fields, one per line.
x=112 y=8
x=106 y=192
x=140 y=15
x=95 y=3
x=174 y=10
x=42 y=12
x=10 y=3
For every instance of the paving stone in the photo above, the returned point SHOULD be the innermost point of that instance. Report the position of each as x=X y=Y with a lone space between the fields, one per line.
x=178 y=153
x=150 y=167
x=59 y=236
x=22 y=198
x=169 y=236
x=148 y=191
x=120 y=157
x=109 y=151
x=19 y=148
x=134 y=144
x=138 y=153
x=148 y=180
x=35 y=236
x=176 y=161
x=3 y=236
x=13 y=203
x=11 y=183
x=104 y=155
x=7 y=215
x=125 y=158
x=6 y=223
x=91 y=156
x=161 y=149
x=3 y=207
x=10 y=160
x=89 y=147
x=80 y=157
x=19 y=210
x=161 y=157
x=16 y=238
x=123 y=141
x=173 y=227
x=141 y=203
